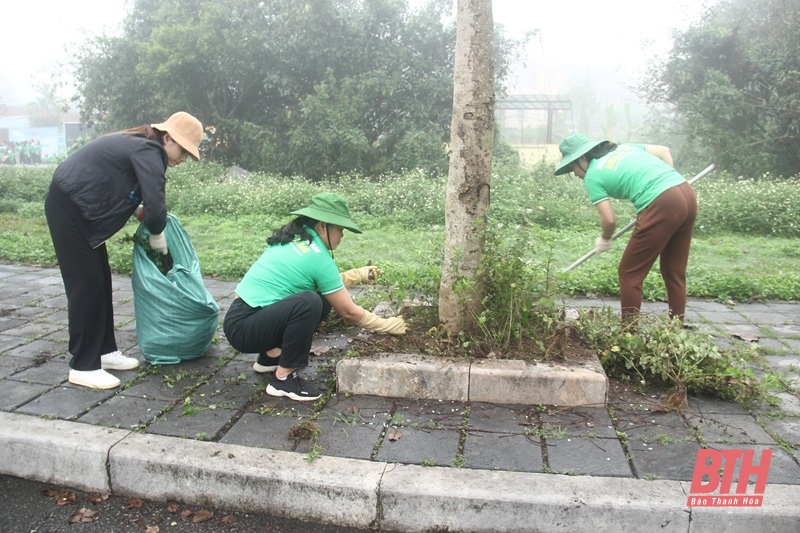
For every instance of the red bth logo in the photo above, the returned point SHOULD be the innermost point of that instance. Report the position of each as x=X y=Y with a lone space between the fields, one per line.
x=720 y=466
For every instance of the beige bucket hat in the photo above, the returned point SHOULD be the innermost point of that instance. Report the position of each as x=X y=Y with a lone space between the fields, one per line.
x=185 y=130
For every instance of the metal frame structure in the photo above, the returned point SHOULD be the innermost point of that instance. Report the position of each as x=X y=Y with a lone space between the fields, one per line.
x=536 y=102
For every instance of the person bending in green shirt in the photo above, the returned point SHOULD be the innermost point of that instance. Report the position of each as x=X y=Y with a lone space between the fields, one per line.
x=291 y=288
x=666 y=209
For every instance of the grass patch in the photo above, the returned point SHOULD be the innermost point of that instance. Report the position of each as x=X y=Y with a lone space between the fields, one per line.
x=547 y=222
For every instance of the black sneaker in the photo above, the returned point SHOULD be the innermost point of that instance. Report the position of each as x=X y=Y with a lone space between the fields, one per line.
x=292 y=387
x=265 y=363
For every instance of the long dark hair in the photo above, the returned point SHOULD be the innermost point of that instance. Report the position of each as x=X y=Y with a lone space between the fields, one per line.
x=600 y=150
x=294 y=229
x=145 y=131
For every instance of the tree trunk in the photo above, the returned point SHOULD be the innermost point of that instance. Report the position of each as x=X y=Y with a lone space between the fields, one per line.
x=469 y=178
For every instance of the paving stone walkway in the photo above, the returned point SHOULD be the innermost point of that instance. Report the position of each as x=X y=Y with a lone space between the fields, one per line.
x=218 y=397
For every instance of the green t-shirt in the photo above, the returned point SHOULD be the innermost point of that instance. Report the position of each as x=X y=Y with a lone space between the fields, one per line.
x=283 y=270
x=629 y=173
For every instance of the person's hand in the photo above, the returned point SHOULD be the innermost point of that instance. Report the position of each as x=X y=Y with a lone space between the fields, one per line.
x=367 y=274
x=602 y=245
x=393 y=326
x=139 y=213
x=159 y=243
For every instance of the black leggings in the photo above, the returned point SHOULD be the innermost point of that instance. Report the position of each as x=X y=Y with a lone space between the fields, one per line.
x=288 y=324
x=87 y=282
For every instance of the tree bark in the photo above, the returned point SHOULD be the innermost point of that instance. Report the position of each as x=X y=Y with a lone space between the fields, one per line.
x=469 y=177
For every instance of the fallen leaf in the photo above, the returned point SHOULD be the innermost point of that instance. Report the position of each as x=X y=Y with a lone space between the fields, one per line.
x=201 y=516
x=231 y=456
x=186 y=513
x=321 y=351
x=172 y=508
x=228 y=519
x=133 y=503
x=393 y=435
x=151 y=529
x=62 y=497
x=745 y=338
x=84 y=515
x=97 y=497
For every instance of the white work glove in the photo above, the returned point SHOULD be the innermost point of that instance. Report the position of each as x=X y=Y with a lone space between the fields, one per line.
x=602 y=245
x=159 y=243
x=393 y=326
x=367 y=274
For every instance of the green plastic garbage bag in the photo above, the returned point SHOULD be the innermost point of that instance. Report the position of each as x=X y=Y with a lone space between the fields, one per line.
x=176 y=316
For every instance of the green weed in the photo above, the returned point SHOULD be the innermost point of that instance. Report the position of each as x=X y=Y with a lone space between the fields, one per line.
x=654 y=351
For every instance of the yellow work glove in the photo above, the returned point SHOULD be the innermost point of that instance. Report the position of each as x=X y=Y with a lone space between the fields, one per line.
x=367 y=274
x=393 y=326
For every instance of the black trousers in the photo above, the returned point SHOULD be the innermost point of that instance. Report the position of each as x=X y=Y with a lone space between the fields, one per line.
x=288 y=324
x=87 y=282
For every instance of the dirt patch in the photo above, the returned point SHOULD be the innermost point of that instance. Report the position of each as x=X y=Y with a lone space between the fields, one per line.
x=427 y=337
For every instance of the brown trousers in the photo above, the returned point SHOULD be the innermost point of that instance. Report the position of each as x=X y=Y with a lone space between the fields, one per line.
x=663 y=229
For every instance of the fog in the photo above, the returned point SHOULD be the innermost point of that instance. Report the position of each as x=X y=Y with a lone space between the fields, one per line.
x=606 y=44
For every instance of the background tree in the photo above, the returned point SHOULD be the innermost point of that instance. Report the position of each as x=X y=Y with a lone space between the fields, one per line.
x=298 y=88
x=110 y=94
x=48 y=107
x=734 y=81
x=469 y=179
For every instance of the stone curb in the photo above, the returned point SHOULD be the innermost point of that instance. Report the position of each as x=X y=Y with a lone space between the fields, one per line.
x=57 y=451
x=358 y=493
x=490 y=381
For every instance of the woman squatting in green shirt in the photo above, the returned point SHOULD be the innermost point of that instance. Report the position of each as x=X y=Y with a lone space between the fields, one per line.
x=666 y=209
x=291 y=288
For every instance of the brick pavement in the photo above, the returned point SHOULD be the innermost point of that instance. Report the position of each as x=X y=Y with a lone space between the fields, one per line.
x=219 y=398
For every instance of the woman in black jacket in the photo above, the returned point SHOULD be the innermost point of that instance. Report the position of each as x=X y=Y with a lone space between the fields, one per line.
x=93 y=194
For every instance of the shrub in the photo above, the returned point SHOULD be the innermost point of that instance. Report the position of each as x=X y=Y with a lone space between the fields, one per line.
x=23 y=185
x=764 y=205
x=651 y=351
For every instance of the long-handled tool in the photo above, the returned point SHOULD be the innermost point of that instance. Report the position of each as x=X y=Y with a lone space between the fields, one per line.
x=633 y=222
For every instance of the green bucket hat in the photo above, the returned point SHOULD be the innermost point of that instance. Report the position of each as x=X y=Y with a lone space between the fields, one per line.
x=572 y=148
x=329 y=208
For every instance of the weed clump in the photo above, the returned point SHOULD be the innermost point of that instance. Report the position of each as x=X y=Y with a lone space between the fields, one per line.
x=654 y=351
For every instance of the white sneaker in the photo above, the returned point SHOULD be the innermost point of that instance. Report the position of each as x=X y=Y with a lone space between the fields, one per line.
x=94 y=379
x=117 y=361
